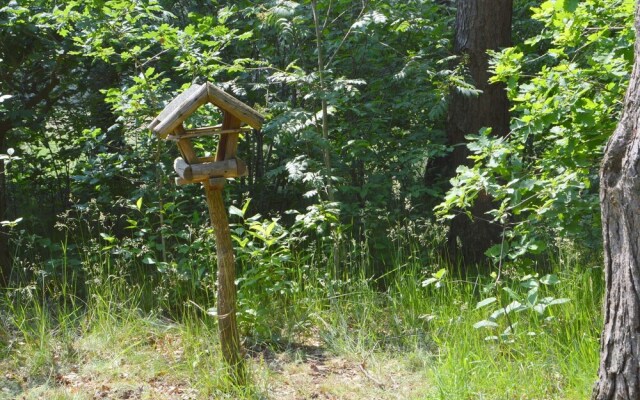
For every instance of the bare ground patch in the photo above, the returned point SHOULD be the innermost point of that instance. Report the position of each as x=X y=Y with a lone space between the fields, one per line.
x=155 y=366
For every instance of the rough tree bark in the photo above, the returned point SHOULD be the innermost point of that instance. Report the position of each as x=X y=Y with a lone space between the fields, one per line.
x=619 y=372
x=481 y=25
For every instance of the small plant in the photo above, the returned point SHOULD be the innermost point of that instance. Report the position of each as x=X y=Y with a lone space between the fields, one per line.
x=526 y=296
x=263 y=254
x=435 y=279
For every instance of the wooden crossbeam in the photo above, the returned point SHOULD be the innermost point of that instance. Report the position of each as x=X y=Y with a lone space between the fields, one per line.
x=231 y=168
x=206 y=131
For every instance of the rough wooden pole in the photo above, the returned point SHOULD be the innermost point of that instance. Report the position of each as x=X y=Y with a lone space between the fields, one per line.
x=227 y=325
x=191 y=168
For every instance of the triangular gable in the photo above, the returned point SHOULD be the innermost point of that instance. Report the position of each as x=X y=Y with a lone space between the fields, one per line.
x=180 y=108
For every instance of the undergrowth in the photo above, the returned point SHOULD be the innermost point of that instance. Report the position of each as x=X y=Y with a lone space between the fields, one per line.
x=107 y=326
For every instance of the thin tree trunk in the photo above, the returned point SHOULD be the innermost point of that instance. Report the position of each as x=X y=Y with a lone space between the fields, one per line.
x=5 y=258
x=619 y=372
x=337 y=253
x=479 y=27
x=325 y=115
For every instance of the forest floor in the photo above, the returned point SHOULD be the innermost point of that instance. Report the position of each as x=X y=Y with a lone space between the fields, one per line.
x=152 y=367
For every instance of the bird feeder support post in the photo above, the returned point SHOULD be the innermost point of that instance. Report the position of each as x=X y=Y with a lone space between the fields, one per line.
x=226 y=296
x=226 y=279
x=211 y=172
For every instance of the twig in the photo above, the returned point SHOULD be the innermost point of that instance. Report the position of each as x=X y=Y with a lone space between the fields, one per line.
x=368 y=375
x=344 y=38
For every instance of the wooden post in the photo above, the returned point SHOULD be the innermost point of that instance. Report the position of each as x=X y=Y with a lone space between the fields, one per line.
x=211 y=171
x=226 y=310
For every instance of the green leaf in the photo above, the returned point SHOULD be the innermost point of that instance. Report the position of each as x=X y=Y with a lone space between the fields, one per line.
x=139 y=204
x=440 y=274
x=233 y=210
x=567 y=5
x=559 y=301
x=529 y=282
x=497 y=314
x=485 y=324
x=495 y=251
x=148 y=261
x=511 y=293
x=515 y=306
x=509 y=329
x=429 y=281
x=270 y=228
x=532 y=297
x=485 y=302
x=108 y=238
x=539 y=308
x=550 y=279
x=245 y=207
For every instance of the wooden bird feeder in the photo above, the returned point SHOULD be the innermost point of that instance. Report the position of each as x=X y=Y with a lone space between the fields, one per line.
x=211 y=172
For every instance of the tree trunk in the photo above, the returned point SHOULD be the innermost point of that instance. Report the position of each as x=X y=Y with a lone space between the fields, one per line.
x=5 y=259
x=619 y=372
x=479 y=27
x=326 y=153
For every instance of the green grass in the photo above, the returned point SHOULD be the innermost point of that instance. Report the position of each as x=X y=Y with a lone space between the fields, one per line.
x=338 y=333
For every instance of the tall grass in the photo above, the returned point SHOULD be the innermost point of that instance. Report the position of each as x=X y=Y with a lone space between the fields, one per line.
x=108 y=310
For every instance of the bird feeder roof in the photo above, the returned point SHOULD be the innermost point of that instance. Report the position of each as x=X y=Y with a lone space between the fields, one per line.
x=185 y=104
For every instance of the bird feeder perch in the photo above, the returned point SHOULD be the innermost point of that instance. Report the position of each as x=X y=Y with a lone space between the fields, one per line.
x=212 y=172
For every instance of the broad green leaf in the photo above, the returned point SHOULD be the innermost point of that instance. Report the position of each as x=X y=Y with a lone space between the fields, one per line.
x=440 y=274
x=429 y=281
x=233 y=210
x=559 y=301
x=495 y=251
x=485 y=324
x=550 y=279
x=509 y=329
x=108 y=238
x=539 y=308
x=512 y=294
x=485 y=302
x=497 y=314
x=270 y=228
x=567 y=5
x=532 y=296
x=530 y=283
x=515 y=306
